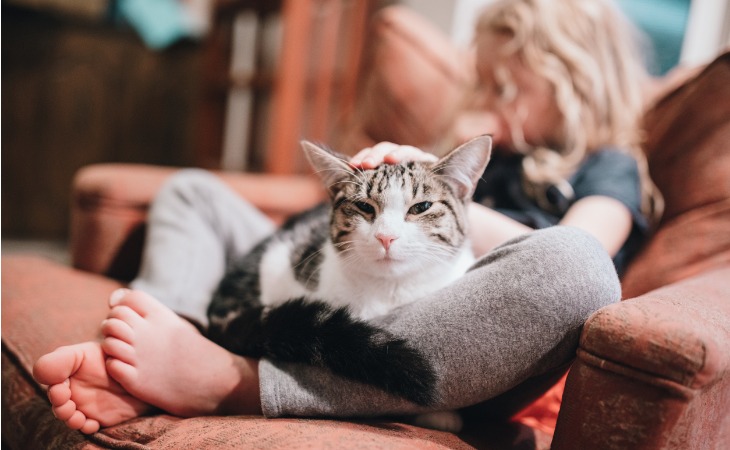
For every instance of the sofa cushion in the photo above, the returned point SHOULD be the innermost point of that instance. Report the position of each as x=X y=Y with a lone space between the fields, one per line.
x=688 y=149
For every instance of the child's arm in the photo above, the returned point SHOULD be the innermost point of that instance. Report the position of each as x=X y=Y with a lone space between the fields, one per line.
x=491 y=228
x=606 y=218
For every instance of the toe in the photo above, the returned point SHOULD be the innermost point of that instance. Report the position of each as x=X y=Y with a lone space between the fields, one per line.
x=125 y=314
x=119 y=349
x=141 y=302
x=58 y=394
x=76 y=421
x=65 y=411
x=91 y=426
x=117 y=328
x=57 y=366
x=120 y=371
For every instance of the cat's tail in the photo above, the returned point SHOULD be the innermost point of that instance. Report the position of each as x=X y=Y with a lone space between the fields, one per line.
x=315 y=333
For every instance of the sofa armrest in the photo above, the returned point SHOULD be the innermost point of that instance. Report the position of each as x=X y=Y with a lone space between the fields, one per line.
x=653 y=371
x=110 y=203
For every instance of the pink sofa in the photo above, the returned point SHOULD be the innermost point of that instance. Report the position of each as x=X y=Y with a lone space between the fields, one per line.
x=652 y=372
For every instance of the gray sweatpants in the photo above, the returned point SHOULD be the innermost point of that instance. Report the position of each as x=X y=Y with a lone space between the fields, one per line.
x=515 y=317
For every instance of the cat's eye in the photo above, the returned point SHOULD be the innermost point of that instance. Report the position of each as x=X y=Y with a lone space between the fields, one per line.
x=365 y=207
x=419 y=208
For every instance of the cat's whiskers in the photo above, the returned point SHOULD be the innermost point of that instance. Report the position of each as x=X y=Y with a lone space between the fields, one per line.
x=343 y=182
x=343 y=243
x=427 y=259
x=361 y=176
x=348 y=254
x=431 y=261
x=434 y=252
x=351 y=259
x=344 y=247
x=308 y=258
x=352 y=262
x=321 y=250
x=336 y=170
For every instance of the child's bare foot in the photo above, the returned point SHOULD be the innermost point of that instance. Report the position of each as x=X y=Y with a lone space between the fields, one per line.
x=81 y=393
x=163 y=360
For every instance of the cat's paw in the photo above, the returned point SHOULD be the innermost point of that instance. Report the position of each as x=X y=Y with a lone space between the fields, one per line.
x=450 y=421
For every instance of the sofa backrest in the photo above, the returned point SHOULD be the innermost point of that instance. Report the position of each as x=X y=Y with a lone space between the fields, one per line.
x=688 y=149
x=412 y=84
x=688 y=132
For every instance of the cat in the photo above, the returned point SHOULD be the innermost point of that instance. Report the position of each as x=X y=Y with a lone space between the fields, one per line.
x=388 y=236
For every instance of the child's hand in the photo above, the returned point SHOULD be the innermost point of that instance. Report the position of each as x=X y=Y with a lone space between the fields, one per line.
x=389 y=153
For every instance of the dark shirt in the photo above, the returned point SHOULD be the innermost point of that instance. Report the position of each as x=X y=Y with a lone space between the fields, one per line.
x=608 y=172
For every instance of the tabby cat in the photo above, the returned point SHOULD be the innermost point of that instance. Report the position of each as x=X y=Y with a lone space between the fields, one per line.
x=388 y=237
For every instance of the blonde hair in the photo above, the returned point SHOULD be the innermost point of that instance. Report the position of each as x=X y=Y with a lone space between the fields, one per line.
x=588 y=52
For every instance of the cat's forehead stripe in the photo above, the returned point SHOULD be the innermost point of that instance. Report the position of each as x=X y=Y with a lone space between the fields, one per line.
x=412 y=178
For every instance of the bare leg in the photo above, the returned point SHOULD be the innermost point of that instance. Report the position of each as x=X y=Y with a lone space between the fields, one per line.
x=163 y=360
x=81 y=392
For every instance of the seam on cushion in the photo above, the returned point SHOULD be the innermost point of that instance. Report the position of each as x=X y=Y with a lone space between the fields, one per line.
x=98 y=201
x=14 y=350
x=671 y=386
x=591 y=342
x=13 y=357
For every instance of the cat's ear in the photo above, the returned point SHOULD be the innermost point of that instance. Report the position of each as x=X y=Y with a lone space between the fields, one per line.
x=463 y=167
x=331 y=168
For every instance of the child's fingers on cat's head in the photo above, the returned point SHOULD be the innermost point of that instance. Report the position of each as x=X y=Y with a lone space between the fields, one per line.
x=372 y=157
x=408 y=153
x=389 y=153
x=356 y=160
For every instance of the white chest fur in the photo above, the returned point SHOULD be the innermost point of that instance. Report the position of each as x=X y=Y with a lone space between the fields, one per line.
x=365 y=294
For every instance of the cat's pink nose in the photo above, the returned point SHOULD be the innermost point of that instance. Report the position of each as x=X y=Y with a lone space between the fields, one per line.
x=386 y=240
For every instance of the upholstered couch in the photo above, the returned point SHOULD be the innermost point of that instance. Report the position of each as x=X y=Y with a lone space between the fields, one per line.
x=651 y=372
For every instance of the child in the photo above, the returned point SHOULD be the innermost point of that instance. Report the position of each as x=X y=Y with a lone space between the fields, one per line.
x=562 y=85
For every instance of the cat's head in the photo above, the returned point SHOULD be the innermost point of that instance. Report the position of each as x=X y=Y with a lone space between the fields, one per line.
x=396 y=219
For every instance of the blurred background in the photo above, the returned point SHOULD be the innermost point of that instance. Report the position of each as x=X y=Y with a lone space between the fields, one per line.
x=219 y=84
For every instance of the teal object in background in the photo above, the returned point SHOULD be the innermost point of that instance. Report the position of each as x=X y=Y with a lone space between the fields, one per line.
x=664 y=22
x=160 y=23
